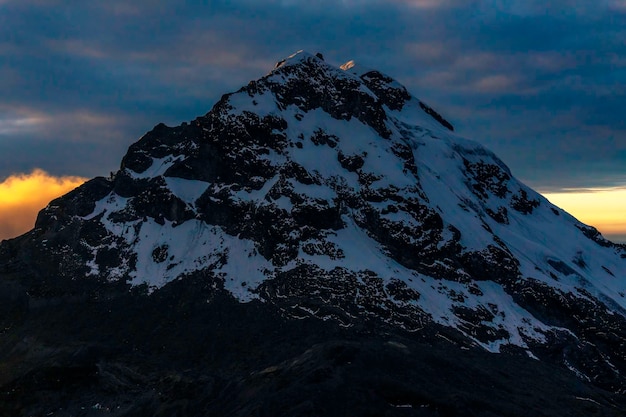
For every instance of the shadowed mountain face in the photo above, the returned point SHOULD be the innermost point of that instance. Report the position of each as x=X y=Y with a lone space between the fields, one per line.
x=319 y=243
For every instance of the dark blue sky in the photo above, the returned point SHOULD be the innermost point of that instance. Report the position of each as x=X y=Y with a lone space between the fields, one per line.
x=544 y=86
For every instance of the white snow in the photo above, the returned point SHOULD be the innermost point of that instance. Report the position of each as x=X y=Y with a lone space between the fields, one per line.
x=534 y=239
x=158 y=167
x=187 y=190
x=193 y=246
x=110 y=203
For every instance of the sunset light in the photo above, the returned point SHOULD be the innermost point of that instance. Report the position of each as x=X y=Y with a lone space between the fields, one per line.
x=23 y=195
x=605 y=209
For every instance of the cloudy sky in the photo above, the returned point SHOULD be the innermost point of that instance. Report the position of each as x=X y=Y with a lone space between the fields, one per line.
x=543 y=84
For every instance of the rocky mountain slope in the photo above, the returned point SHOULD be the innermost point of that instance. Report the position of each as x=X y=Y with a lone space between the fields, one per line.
x=320 y=235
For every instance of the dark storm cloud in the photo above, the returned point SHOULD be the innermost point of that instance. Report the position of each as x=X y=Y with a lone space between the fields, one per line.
x=542 y=85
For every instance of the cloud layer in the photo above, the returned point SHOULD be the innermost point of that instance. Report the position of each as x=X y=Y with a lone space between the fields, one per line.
x=22 y=196
x=542 y=84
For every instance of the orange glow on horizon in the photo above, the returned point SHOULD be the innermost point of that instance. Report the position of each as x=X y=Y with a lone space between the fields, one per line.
x=23 y=195
x=604 y=209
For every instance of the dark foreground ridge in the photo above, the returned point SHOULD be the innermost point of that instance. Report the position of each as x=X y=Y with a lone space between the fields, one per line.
x=174 y=354
x=321 y=243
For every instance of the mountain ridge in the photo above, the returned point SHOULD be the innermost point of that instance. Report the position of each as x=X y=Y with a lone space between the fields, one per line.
x=332 y=194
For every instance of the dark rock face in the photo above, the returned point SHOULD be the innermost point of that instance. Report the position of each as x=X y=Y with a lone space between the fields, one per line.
x=437 y=116
x=79 y=202
x=311 y=239
x=523 y=204
x=381 y=85
x=242 y=359
x=310 y=86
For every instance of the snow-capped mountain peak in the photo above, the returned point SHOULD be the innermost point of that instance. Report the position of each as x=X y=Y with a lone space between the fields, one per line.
x=333 y=192
x=297 y=59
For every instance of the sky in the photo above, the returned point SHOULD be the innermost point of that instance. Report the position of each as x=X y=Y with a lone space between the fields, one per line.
x=542 y=84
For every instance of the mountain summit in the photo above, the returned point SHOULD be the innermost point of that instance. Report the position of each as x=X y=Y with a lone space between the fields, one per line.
x=329 y=199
